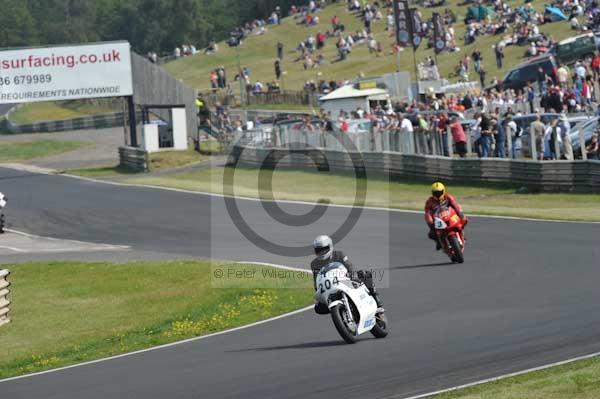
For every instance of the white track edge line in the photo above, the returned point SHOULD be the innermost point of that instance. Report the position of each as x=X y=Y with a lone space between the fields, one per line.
x=107 y=246
x=372 y=208
x=13 y=249
x=296 y=269
x=502 y=377
x=185 y=341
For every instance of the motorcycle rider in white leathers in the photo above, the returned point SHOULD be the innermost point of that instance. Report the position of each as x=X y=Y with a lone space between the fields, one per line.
x=323 y=246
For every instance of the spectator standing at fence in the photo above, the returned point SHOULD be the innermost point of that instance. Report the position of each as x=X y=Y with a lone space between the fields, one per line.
x=498 y=133
x=442 y=126
x=537 y=131
x=344 y=126
x=422 y=134
x=552 y=138
x=486 y=135
x=406 y=133
x=513 y=134
x=593 y=148
x=565 y=131
x=459 y=137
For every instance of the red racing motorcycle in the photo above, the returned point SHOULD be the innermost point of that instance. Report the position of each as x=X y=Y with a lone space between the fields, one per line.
x=449 y=230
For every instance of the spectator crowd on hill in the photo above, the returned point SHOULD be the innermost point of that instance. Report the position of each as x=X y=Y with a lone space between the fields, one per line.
x=493 y=113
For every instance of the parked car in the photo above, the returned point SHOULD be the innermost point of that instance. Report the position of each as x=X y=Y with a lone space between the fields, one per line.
x=597 y=38
x=588 y=129
x=577 y=120
x=518 y=77
x=574 y=48
x=524 y=122
x=585 y=123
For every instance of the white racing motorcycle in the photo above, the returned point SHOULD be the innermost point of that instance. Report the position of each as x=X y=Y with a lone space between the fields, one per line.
x=352 y=308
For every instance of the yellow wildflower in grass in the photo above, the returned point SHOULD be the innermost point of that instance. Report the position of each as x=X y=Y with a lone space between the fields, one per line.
x=37 y=362
x=260 y=301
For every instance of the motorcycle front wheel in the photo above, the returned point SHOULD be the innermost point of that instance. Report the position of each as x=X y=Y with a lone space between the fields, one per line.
x=340 y=315
x=380 y=329
x=456 y=250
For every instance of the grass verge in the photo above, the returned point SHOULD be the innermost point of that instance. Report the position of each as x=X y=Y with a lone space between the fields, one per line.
x=18 y=151
x=340 y=189
x=578 y=380
x=66 y=313
x=54 y=111
x=210 y=147
x=173 y=159
x=158 y=161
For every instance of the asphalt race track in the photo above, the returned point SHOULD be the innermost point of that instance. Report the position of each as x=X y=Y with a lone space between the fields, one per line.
x=4 y=108
x=527 y=295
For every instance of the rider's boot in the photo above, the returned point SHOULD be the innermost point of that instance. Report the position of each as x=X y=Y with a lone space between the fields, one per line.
x=438 y=246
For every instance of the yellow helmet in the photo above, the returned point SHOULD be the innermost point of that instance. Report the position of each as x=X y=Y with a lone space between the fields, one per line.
x=438 y=190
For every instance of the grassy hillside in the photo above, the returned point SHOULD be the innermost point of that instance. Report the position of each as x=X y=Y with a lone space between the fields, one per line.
x=259 y=52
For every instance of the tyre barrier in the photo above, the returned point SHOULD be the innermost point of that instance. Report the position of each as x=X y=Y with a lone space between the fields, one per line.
x=4 y=301
x=2 y=205
x=134 y=159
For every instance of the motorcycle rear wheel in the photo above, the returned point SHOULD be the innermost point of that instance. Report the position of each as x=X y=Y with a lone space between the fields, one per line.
x=456 y=249
x=337 y=315
x=380 y=328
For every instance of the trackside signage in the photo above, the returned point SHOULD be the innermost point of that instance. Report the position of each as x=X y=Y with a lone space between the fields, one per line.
x=65 y=73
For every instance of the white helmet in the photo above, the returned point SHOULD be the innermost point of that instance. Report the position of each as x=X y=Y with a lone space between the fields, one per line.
x=2 y=201
x=323 y=247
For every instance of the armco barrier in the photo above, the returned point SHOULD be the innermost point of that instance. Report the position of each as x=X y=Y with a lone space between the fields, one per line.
x=4 y=301
x=541 y=175
x=100 y=121
x=134 y=159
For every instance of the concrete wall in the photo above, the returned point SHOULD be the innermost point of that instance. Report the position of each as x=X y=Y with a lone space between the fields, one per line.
x=545 y=176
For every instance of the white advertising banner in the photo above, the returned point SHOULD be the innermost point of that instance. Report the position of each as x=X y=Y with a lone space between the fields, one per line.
x=65 y=73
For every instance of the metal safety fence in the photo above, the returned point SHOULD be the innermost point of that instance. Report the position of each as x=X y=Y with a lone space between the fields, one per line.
x=416 y=142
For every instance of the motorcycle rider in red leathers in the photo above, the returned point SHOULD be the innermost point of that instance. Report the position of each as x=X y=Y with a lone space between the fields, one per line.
x=439 y=196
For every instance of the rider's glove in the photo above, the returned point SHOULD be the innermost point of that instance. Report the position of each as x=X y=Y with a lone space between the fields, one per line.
x=461 y=214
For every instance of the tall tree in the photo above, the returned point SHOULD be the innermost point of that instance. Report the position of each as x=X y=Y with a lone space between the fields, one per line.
x=150 y=25
x=17 y=26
